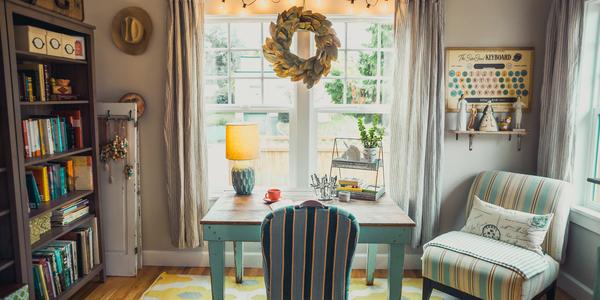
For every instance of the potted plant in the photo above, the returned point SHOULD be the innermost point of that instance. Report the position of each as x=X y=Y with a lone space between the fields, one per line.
x=371 y=138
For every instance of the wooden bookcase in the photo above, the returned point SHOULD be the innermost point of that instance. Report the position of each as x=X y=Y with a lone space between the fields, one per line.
x=16 y=259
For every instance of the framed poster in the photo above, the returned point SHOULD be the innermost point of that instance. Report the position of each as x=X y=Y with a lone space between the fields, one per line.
x=499 y=75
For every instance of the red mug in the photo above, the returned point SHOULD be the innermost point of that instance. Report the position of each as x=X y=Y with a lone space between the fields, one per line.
x=273 y=195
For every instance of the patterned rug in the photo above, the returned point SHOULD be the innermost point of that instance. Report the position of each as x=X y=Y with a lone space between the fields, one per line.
x=170 y=286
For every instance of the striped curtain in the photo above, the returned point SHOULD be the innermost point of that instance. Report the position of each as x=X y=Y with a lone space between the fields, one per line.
x=558 y=97
x=183 y=124
x=417 y=117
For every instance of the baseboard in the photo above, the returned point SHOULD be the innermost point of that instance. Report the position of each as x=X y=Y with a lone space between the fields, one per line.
x=574 y=287
x=199 y=258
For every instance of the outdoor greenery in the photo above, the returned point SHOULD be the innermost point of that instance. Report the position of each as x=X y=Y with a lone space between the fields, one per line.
x=364 y=91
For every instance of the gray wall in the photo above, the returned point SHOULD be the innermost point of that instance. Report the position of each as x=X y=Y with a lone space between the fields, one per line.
x=470 y=23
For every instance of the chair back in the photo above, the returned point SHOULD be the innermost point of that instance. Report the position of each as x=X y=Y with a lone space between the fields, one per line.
x=528 y=193
x=308 y=252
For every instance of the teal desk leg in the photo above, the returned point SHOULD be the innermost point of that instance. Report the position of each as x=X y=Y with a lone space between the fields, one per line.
x=238 y=253
x=371 y=263
x=396 y=270
x=216 y=254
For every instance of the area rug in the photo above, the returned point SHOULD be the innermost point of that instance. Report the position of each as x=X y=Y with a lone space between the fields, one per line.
x=179 y=286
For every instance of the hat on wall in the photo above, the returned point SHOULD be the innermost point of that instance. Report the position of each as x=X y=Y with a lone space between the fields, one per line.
x=131 y=30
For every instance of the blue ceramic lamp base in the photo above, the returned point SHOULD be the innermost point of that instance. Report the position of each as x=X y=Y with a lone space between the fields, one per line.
x=243 y=180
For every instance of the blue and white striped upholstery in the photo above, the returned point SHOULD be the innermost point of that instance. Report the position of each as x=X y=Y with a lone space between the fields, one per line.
x=308 y=252
x=483 y=278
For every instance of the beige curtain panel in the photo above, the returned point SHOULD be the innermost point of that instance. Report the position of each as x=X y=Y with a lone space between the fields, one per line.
x=417 y=116
x=183 y=125
x=559 y=100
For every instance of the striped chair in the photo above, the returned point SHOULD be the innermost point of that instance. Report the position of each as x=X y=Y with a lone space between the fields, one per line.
x=308 y=252
x=468 y=277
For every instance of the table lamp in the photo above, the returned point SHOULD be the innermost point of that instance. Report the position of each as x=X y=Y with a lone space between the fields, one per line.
x=241 y=146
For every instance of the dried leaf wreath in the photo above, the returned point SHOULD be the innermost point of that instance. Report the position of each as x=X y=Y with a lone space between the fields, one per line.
x=286 y=64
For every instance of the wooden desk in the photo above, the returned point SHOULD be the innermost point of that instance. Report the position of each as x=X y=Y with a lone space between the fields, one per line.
x=238 y=219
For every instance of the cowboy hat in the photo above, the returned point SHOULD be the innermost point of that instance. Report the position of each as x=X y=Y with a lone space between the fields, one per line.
x=131 y=30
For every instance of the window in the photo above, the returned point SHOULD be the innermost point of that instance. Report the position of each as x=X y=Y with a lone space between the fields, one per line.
x=589 y=97
x=297 y=125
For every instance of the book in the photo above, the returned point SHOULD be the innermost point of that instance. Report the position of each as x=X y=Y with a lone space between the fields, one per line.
x=33 y=192
x=41 y=177
x=74 y=117
x=82 y=169
x=96 y=244
x=37 y=78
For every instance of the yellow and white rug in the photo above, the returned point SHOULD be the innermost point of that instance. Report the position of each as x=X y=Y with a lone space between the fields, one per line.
x=173 y=286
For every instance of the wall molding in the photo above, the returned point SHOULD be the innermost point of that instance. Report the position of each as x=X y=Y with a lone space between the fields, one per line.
x=574 y=287
x=175 y=258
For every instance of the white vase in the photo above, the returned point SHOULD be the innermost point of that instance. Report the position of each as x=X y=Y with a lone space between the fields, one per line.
x=370 y=154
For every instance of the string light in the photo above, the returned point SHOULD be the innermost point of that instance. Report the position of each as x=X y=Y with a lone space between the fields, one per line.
x=369 y=3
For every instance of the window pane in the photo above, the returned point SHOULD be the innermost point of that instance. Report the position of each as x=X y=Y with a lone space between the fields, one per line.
x=271 y=168
x=332 y=125
x=387 y=64
x=246 y=91
x=362 y=35
x=215 y=35
x=215 y=63
x=362 y=63
x=362 y=91
x=328 y=91
x=215 y=91
x=337 y=66
x=387 y=35
x=340 y=31
x=279 y=91
x=246 y=35
x=246 y=63
x=387 y=91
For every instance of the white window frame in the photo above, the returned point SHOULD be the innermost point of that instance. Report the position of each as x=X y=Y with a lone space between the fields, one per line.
x=302 y=111
x=594 y=122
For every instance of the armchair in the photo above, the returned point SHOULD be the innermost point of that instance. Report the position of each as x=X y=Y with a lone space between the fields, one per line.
x=470 y=276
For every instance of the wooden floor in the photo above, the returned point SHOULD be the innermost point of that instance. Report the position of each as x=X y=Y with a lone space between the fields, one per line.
x=134 y=287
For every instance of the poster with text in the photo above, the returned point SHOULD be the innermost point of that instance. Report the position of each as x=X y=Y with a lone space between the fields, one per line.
x=497 y=75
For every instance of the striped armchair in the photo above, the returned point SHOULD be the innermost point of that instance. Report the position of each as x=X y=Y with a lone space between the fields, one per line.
x=468 y=277
x=308 y=252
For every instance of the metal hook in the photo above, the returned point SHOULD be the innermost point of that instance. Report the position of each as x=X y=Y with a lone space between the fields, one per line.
x=130 y=115
x=108 y=114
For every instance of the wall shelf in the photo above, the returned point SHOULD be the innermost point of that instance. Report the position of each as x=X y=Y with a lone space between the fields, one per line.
x=518 y=134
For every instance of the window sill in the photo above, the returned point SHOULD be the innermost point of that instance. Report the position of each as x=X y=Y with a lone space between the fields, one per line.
x=586 y=217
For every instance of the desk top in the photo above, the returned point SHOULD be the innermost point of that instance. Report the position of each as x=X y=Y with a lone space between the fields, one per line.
x=231 y=209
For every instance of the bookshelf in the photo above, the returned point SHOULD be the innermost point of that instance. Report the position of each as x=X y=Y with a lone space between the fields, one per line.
x=14 y=271
x=17 y=269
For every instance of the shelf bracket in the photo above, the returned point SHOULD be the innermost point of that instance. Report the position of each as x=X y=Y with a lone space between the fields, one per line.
x=470 y=142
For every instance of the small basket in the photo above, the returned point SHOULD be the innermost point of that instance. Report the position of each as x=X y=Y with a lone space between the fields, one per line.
x=38 y=226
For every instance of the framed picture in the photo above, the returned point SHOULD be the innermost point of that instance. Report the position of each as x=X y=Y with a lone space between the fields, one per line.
x=499 y=75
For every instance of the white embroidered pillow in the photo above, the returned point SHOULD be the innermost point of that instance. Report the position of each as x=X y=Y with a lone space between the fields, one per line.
x=510 y=226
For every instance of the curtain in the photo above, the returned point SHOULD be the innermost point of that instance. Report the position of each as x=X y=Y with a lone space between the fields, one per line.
x=558 y=99
x=183 y=123
x=417 y=117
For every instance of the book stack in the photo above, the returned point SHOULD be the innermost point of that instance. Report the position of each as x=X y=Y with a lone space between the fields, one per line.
x=46 y=135
x=70 y=213
x=48 y=182
x=34 y=82
x=59 y=265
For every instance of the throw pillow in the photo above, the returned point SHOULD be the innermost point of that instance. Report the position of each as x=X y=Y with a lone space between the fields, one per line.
x=510 y=226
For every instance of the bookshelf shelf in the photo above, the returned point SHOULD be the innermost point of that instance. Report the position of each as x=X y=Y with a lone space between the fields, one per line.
x=24 y=55
x=57 y=232
x=69 y=102
x=81 y=282
x=55 y=204
x=47 y=158
x=5 y=212
x=4 y=264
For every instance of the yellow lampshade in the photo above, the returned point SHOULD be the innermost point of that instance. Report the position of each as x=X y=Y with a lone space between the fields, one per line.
x=241 y=141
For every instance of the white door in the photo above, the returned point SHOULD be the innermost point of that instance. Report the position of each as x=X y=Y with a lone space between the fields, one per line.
x=118 y=192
